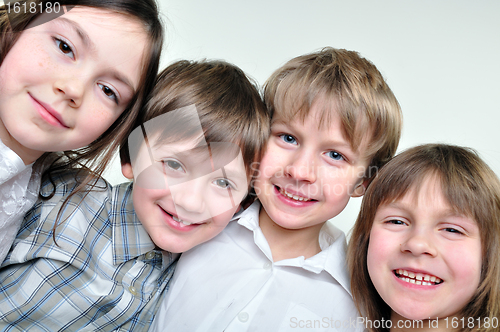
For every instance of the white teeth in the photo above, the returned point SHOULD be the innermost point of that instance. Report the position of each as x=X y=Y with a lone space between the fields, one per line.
x=417 y=278
x=186 y=223
x=294 y=197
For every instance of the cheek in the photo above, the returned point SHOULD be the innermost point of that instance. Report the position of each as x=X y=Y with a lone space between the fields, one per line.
x=372 y=256
x=378 y=249
x=99 y=117
x=273 y=160
x=222 y=208
x=144 y=199
x=140 y=207
x=348 y=178
x=267 y=167
x=465 y=263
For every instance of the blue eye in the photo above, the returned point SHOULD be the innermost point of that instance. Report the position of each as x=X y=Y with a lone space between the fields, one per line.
x=108 y=92
x=288 y=138
x=335 y=155
x=64 y=47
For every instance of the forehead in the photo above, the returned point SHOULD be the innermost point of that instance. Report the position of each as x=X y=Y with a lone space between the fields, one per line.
x=430 y=190
x=114 y=42
x=428 y=187
x=105 y=17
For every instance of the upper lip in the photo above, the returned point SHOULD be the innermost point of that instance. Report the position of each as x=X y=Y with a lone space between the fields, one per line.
x=189 y=221
x=294 y=192
x=51 y=111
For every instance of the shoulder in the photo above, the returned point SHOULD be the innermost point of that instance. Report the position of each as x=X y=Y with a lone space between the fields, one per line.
x=334 y=247
x=62 y=184
x=10 y=163
x=62 y=199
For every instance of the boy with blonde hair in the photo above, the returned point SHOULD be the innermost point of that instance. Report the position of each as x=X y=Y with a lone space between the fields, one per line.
x=280 y=265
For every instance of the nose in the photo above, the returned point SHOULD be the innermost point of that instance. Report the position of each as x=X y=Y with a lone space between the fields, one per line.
x=419 y=243
x=302 y=167
x=71 y=88
x=189 y=197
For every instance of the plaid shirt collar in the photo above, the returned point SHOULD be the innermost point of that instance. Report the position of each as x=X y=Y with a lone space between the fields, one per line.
x=129 y=239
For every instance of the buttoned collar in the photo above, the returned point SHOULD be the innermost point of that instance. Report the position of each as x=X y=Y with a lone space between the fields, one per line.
x=130 y=238
x=331 y=259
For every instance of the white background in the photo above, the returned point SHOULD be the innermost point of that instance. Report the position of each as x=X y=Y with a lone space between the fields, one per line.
x=440 y=57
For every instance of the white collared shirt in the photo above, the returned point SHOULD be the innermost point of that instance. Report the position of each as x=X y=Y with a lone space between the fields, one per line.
x=18 y=193
x=230 y=283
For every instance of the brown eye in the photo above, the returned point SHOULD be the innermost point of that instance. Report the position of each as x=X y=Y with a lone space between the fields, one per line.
x=108 y=92
x=64 y=47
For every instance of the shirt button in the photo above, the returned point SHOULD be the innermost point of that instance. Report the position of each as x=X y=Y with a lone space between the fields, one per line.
x=150 y=255
x=243 y=317
x=132 y=290
x=267 y=265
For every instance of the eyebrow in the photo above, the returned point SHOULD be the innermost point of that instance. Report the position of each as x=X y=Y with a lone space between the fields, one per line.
x=449 y=212
x=89 y=44
x=79 y=31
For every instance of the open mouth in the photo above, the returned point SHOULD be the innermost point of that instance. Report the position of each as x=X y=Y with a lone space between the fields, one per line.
x=294 y=197
x=417 y=278
x=181 y=221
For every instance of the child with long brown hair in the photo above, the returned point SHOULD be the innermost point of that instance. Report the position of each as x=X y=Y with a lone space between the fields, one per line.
x=73 y=76
x=424 y=253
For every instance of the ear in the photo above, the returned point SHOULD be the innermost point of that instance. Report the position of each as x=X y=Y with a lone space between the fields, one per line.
x=127 y=171
x=360 y=189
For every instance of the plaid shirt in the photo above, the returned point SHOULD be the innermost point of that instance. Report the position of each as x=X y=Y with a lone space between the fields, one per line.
x=102 y=273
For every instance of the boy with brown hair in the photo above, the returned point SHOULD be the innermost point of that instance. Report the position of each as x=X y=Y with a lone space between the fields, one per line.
x=281 y=266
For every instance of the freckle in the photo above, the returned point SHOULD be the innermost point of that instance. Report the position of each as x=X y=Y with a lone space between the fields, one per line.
x=40 y=64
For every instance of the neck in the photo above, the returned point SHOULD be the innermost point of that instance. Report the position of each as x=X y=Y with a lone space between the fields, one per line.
x=289 y=243
x=424 y=325
x=28 y=156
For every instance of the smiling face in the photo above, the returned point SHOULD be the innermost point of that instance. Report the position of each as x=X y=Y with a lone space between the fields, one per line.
x=186 y=194
x=308 y=172
x=423 y=258
x=66 y=81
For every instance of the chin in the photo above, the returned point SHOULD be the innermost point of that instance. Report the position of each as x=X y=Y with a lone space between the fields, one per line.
x=414 y=314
